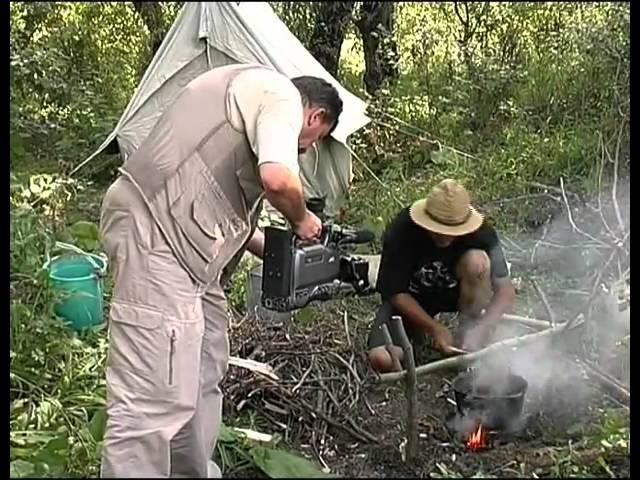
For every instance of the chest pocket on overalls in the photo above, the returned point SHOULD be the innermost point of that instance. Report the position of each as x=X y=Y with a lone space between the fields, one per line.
x=209 y=226
x=202 y=223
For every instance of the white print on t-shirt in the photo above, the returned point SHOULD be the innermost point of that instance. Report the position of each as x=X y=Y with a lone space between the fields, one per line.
x=433 y=275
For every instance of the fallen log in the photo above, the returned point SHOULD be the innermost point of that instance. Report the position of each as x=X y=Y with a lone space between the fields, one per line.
x=462 y=361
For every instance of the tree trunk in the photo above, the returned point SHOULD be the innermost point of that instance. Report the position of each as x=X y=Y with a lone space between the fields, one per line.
x=152 y=16
x=380 y=50
x=328 y=33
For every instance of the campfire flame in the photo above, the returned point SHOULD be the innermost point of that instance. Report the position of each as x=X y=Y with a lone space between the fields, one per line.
x=477 y=439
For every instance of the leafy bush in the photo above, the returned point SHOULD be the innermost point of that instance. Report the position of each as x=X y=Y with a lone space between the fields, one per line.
x=512 y=95
x=56 y=377
x=71 y=77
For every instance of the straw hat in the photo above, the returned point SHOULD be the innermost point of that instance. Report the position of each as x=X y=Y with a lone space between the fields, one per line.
x=447 y=210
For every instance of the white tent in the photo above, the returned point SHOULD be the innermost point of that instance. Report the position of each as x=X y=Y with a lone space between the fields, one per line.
x=206 y=35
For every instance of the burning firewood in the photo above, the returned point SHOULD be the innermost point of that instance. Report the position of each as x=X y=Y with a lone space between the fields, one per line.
x=478 y=439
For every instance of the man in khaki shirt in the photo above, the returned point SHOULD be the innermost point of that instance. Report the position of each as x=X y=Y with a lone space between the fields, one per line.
x=268 y=108
x=184 y=210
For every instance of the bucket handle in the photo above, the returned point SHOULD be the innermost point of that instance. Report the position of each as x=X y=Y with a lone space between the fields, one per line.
x=67 y=246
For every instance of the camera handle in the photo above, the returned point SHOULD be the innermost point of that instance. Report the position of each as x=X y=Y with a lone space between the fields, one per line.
x=324 y=237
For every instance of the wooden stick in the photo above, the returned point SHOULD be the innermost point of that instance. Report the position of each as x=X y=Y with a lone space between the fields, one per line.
x=606 y=380
x=258 y=367
x=359 y=433
x=348 y=365
x=411 y=391
x=595 y=291
x=253 y=435
x=530 y=322
x=545 y=302
x=346 y=329
x=304 y=375
x=388 y=343
x=457 y=350
x=464 y=360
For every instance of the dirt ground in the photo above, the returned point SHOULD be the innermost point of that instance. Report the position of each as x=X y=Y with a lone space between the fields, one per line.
x=441 y=452
x=538 y=450
x=554 y=417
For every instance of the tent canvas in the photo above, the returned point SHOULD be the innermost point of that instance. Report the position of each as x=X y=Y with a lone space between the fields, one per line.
x=207 y=35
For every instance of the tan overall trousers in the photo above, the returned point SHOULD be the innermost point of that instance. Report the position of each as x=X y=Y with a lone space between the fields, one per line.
x=182 y=210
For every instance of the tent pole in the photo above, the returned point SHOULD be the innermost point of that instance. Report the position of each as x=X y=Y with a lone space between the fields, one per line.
x=207 y=47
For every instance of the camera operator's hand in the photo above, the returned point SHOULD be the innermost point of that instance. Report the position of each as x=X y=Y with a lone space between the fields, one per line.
x=310 y=228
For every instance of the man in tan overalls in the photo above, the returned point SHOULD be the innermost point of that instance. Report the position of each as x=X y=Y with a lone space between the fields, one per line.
x=184 y=209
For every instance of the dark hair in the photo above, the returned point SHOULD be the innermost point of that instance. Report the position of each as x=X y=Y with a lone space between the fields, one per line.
x=320 y=93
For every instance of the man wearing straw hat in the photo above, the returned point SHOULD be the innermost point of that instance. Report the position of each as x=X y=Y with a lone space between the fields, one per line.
x=439 y=255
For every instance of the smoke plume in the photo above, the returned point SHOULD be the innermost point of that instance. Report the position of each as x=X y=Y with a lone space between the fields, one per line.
x=568 y=257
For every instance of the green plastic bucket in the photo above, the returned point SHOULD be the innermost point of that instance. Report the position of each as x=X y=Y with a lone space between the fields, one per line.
x=79 y=278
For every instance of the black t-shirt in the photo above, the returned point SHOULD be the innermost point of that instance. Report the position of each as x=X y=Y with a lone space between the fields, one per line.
x=412 y=263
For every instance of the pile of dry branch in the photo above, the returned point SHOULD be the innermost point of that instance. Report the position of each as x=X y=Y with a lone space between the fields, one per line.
x=314 y=384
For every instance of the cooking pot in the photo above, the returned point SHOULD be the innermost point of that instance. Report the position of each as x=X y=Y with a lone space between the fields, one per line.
x=496 y=401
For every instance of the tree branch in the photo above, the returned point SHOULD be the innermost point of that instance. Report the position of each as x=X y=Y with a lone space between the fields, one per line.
x=606 y=380
x=388 y=343
x=596 y=283
x=465 y=360
x=614 y=194
x=411 y=391
x=545 y=302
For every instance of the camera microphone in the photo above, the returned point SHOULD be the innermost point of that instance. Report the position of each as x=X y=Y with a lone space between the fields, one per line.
x=360 y=236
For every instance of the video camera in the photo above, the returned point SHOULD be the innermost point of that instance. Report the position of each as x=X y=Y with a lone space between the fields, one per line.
x=295 y=273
